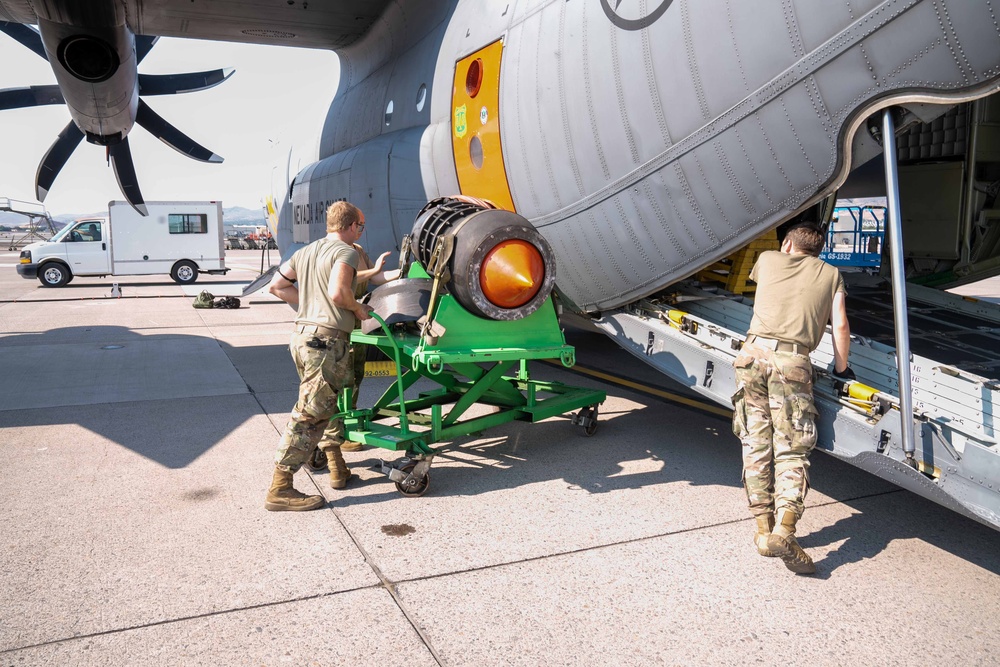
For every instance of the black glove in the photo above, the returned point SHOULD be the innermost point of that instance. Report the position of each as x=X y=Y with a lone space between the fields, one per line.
x=846 y=375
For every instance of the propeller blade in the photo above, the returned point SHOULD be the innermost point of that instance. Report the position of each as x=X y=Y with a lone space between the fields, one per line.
x=171 y=84
x=121 y=162
x=31 y=96
x=55 y=158
x=26 y=35
x=171 y=136
x=143 y=45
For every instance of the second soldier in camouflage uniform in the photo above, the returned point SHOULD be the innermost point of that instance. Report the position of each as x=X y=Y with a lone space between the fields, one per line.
x=368 y=272
x=774 y=413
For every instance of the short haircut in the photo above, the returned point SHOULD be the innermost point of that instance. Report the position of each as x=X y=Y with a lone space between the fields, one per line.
x=806 y=238
x=341 y=215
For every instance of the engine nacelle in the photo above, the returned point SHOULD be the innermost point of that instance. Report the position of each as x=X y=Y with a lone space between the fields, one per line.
x=501 y=267
x=96 y=71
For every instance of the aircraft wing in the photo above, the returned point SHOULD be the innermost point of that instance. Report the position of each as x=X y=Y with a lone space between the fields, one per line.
x=315 y=24
x=318 y=24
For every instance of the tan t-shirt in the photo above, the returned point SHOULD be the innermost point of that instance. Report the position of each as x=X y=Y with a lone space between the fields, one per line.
x=313 y=266
x=794 y=297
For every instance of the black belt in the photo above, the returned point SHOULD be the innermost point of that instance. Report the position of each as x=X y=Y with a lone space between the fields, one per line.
x=778 y=345
x=323 y=331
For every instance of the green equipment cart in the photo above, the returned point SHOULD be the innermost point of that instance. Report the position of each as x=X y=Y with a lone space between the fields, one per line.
x=473 y=361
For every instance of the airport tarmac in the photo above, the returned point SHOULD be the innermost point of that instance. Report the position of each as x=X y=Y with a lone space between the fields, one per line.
x=137 y=437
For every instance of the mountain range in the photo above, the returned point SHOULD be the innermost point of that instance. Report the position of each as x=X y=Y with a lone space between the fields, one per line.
x=230 y=216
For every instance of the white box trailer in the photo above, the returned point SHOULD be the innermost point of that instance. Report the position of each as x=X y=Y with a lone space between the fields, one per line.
x=178 y=238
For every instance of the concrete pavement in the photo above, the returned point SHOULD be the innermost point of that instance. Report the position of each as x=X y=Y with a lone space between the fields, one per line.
x=136 y=441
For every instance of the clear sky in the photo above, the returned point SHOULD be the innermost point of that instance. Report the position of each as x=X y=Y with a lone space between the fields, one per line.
x=276 y=100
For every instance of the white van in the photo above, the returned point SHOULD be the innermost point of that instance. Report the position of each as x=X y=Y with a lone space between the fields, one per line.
x=179 y=238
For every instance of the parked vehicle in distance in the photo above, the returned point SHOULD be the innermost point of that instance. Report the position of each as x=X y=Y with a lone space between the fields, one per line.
x=182 y=239
x=855 y=237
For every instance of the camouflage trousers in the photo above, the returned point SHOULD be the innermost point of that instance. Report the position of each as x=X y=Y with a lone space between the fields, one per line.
x=775 y=419
x=322 y=374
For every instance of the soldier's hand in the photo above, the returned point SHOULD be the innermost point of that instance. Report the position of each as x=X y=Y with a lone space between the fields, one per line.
x=364 y=312
x=380 y=262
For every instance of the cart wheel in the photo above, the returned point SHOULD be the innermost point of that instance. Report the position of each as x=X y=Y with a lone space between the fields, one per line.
x=589 y=413
x=317 y=461
x=419 y=488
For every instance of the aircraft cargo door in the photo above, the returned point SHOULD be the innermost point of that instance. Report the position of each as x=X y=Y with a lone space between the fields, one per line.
x=475 y=127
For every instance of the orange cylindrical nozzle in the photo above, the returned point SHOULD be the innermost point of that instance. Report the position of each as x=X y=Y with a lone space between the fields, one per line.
x=512 y=273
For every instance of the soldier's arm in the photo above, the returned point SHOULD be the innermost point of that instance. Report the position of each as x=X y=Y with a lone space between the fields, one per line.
x=282 y=286
x=841 y=332
x=340 y=292
x=369 y=272
x=382 y=277
x=377 y=275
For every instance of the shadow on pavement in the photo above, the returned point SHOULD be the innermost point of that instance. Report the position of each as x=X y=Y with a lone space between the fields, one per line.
x=656 y=443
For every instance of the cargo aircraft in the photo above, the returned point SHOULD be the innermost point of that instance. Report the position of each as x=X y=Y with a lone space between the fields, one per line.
x=656 y=145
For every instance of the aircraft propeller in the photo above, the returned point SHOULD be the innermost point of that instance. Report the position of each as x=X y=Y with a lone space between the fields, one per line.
x=119 y=154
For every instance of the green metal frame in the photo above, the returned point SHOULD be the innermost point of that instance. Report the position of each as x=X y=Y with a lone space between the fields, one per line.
x=474 y=360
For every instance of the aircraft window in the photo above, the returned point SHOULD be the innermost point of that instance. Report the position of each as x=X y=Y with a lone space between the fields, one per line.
x=421 y=96
x=474 y=77
x=476 y=152
x=388 y=113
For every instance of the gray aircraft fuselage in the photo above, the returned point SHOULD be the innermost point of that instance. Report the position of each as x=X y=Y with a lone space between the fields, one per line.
x=642 y=146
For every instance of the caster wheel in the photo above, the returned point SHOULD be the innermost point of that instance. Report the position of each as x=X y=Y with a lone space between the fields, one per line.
x=416 y=489
x=317 y=461
x=588 y=416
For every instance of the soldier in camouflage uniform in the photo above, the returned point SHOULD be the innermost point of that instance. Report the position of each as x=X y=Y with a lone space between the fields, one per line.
x=319 y=280
x=774 y=413
x=368 y=272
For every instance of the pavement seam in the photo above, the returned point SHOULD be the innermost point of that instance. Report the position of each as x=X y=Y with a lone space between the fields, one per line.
x=633 y=540
x=181 y=619
x=385 y=583
x=96 y=298
x=119 y=298
x=390 y=586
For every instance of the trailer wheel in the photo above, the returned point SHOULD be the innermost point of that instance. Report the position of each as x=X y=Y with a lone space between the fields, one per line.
x=184 y=272
x=54 y=274
x=416 y=490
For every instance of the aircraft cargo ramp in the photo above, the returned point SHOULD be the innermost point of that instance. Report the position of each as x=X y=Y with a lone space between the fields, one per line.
x=694 y=332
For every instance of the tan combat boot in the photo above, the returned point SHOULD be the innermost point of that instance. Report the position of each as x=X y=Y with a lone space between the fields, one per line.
x=351 y=446
x=782 y=542
x=765 y=524
x=339 y=472
x=282 y=496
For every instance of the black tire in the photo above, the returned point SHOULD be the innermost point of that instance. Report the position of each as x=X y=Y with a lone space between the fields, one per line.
x=184 y=272
x=54 y=274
